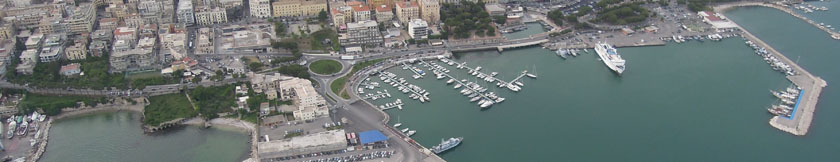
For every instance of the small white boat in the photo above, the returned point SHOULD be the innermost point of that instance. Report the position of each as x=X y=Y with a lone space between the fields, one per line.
x=404 y=130
x=397 y=125
x=411 y=133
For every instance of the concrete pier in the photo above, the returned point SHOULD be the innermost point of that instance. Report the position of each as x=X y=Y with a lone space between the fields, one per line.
x=812 y=85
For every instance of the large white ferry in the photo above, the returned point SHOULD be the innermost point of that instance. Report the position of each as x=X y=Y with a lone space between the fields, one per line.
x=610 y=57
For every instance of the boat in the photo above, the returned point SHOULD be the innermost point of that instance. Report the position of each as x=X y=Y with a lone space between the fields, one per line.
x=450 y=81
x=478 y=68
x=519 y=83
x=411 y=133
x=404 y=130
x=457 y=86
x=11 y=128
x=447 y=145
x=562 y=53
x=397 y=125
x=22 y=129
x=610 y=57
x=500 y=99
x=475 y=99
x=487 y=104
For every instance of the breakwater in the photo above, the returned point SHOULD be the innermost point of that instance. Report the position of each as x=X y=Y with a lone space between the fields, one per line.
x=812 y=85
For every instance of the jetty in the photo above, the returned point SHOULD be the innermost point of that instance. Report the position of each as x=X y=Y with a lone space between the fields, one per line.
x=803 y=113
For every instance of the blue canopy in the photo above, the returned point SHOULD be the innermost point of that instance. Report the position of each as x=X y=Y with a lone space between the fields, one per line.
x=372 y=136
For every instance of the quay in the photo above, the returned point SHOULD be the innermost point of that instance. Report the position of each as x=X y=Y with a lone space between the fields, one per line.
x=811 y=85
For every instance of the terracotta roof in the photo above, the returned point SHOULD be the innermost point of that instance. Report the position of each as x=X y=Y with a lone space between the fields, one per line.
x=358 y=8
x=383 y=8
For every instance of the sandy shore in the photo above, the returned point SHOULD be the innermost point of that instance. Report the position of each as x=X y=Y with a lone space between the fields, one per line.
x=111 y=107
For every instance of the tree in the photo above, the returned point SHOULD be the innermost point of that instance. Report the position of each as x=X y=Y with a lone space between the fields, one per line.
x=499 y=19
x=280 y=28
x=255 y=66
x=322 y=16
x=556 y=16
x=491 y=32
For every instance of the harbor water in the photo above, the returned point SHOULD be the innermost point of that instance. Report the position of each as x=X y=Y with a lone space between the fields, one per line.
x=117 y=136
x=533 y=27
x=680 y=102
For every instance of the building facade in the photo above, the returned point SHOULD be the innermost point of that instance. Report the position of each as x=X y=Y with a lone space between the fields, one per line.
x=407 y=11
x=81 y=19
x=418 y=29
x=430 y=11
x=260 y=8
x=361 y=33
x=384 y=14
x=361 y=12
x=186 y=12
x=208 y=16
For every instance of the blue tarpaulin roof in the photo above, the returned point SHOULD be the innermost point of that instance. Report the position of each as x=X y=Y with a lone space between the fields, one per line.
x=372 y=136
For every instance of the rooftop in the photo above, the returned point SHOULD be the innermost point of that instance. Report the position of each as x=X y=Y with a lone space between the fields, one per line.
x=408 y=4
x=327 y=138
x=372 y=136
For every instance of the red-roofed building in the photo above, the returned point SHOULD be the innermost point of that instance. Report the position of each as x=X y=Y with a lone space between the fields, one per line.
x=72 y=69
x=384 y=13
x=361 y=12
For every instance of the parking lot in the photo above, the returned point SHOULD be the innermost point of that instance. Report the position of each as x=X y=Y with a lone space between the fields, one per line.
x=280 y=131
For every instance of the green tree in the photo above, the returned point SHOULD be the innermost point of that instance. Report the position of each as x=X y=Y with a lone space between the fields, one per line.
x=499 y=19
x=280 y=28
x=322 y=16
x=255 y=66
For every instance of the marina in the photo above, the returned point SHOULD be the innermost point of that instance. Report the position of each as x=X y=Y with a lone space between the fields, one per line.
x=800 y=120
x=417 y=93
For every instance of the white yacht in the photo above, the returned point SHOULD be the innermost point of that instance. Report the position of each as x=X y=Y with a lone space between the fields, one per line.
x=610 y=57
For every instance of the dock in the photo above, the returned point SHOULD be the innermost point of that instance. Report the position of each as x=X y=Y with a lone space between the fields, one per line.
x=398 y=83
x=413 y=70
x=811 y=85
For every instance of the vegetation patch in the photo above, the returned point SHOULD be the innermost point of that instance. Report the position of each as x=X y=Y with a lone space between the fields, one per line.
x=623 y=14
x=168 y=107
x=52 y=105
x=294 y=70
x=464 y=20
x=325 y=67
x=214 y=100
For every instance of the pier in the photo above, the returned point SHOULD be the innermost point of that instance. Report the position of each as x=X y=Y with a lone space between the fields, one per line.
x=811 y=85
x=413 y=70
x=465 y=85
x=401 y=83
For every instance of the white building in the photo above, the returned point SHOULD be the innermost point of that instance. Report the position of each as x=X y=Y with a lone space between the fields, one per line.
x=260 y=8
x=306 y=144
x=186 y=14
x=208 y=16
x=418 y=29
x=20 y=3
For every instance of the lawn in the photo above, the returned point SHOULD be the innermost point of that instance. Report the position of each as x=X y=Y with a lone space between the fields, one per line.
x=325 y=67
x=168 y=107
